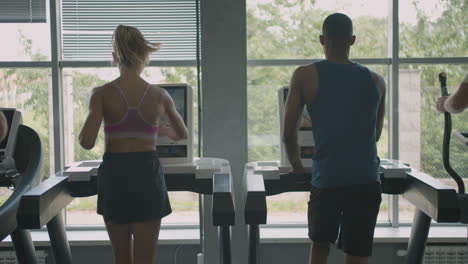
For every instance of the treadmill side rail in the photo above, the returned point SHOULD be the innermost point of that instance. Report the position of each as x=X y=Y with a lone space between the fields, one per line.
x=432 y=197
x=223 y=204
x=44 y=202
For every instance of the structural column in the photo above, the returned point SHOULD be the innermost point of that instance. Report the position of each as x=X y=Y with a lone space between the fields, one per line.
x=224 y=95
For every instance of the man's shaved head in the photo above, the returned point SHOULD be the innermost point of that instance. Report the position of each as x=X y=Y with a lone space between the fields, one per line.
x=338 y=26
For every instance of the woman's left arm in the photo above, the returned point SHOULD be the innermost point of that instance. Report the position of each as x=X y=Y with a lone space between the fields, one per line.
x=93 y=122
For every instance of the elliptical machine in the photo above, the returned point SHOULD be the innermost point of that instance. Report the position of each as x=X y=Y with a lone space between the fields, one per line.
x=20 y=169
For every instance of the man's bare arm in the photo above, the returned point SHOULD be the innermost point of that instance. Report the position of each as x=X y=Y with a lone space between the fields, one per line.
x=3 y=127
x=380 y=84
x=457 y=102
x=293 y=110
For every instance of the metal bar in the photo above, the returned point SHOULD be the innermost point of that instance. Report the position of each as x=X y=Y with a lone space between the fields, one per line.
x=418 y=238
x=57 y=94
x=250 y=63
x=201 y=220
x=393 y=78
x=153 y=63
x=394 y=217
x=210 y=244
x=393 y=95
x=296 y=62
x=59 y=241
x=24 y=246
x=25 y=64
x=439 y=60
x=254 y=244
x=225 y=240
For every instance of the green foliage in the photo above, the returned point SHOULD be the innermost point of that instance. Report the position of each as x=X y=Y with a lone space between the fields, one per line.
x=286 y=206
x=83 y=204
x=445 y=36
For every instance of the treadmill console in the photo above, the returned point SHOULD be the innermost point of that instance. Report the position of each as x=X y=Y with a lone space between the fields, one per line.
x=305 y=136
x=170 y=151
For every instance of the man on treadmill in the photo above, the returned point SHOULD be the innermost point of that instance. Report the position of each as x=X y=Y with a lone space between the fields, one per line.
x=346 y=103
x=3 y=127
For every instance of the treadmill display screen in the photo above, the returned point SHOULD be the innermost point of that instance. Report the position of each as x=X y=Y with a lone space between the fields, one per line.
x=172 y=151
x=306 y=122
x=9 y=117
x=179 y=96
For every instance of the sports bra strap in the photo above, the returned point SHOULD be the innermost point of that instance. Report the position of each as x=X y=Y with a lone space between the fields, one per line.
x=125 y=98
x=121 y=93
x=144 y=94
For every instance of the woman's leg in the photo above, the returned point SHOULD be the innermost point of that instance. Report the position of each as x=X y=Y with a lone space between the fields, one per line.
x=145 y=235
x=120 y=237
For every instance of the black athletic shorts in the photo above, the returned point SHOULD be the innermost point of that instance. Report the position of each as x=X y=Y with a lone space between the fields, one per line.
x=348 y=213
x=132 y=188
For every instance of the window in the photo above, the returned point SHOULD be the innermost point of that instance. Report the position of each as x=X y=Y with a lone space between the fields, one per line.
x=433 y=28
x=282 y=29
x=27 y=89
x=26 y=41
x=284 y=34
x=87 y=28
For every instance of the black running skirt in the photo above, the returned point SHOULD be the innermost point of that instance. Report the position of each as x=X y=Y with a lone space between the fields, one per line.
x=131 y=188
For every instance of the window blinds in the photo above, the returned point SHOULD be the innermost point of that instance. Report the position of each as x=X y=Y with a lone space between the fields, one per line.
x=22 y=11
x=87 y=27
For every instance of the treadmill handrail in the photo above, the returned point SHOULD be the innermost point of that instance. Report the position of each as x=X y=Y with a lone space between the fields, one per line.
x=223 y=208
x=60 y=186
x=436 y=199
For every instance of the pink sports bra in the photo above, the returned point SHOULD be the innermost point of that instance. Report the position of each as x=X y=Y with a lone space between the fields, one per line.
x=132 y=125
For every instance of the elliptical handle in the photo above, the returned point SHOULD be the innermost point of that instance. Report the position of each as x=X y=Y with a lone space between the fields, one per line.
x=447 y=134
x=443 y=83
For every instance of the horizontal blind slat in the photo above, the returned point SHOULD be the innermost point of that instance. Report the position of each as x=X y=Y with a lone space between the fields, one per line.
x=88 y=26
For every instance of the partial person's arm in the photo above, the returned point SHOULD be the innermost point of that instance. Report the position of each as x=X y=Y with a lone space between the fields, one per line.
x=380 y=84
x=292 y=115
x=3 y=127
x=176 y=129
x=93 y=122
x=457 y=102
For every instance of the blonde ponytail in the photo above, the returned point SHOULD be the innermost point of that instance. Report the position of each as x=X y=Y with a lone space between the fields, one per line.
x=131 y=48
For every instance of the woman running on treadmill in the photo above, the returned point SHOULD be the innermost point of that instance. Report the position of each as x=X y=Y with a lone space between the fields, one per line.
x=132 y=194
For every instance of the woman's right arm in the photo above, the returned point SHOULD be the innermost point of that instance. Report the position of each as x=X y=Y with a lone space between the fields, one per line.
x=173 y=118
x=3 y=127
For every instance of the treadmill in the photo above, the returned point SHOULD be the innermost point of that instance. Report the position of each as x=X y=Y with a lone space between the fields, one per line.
x=20 y=169
x=433 y=199
x=209 y=177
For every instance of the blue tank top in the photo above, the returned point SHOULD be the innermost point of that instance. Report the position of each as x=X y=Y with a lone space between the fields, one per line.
x=344 y=116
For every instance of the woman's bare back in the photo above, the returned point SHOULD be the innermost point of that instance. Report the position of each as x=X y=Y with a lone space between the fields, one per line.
x=115 y=107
